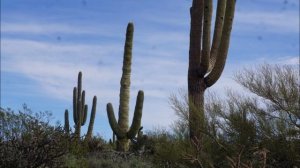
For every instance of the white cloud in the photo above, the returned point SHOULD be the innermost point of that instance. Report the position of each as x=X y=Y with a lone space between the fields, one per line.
x=40 y=28
x=289 y=60
x=276 y=22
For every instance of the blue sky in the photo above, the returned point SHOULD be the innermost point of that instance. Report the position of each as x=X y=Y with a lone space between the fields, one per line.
x=45 y=43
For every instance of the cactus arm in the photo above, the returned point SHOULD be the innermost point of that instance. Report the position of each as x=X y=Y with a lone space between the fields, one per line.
x=83 y=110
x=78 y=124
x=136 y=122
x=78 y=112
x=113 y=122
x=217 y=33
x=196 y=12
x=125 y=80
x=82 y=98
x=223 y=50
x=84 y=114
x=75 y=117
x=67 y=125
x=206 y=36
x=79 y=85
x=92 y=118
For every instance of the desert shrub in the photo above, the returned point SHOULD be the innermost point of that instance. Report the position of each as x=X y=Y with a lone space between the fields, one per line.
x=164 y=149
x=97 y=143
x=28 y=140
x=74 y=161
x=114 y=159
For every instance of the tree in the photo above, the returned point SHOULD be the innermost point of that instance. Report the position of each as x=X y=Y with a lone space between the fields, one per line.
x=278 y=87
x=206 y=62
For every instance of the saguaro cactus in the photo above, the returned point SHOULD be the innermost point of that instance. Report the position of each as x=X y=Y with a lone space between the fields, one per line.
x=206 y=61
x=80 y=110
x=120 y=128
x=79 y=106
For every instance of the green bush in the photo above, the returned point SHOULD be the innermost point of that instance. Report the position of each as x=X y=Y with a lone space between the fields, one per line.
x=28 y=140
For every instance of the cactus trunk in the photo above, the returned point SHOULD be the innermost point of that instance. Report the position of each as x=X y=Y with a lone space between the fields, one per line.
x=123 y=144
x=206 y=60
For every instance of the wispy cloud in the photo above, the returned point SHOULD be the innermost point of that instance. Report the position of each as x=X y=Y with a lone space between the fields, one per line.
x=49 y=28
x=289 y=60
x=39 y=28
x=268 y=21
x=54 y=67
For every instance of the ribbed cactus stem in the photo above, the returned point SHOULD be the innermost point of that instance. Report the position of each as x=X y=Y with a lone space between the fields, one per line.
x=114 y=138
x=137 y=117
x=84 y=115
x=83 y=109
x=67 y=125
x=79 y=85
x=120 y=128
x=224 y=45
x=113 y=122
x=125 y=80
x=206 y=36
x=75 y=119
x=79 y=119
x=92 y=119
x=221 y=7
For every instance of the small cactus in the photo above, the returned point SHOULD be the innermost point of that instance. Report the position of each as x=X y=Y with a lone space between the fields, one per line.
x=67 y=125
x=80 y=110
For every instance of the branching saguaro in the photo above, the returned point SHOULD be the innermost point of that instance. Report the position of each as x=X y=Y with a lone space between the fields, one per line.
x=121 y=128
x=80 y=110
x=206 y=59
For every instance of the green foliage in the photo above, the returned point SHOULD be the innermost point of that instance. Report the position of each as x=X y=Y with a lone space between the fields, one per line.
x=28 y=140
x=113 y=159
x=74 y=161
x=165 y=149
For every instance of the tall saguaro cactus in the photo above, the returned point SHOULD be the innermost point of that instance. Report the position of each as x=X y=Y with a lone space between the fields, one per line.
x=120 y=128
x=206 y=60
x=80 y=110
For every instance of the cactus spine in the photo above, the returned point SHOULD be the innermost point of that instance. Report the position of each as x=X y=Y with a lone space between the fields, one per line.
x=80 y=110
x=121 y=128
x=206 y=61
